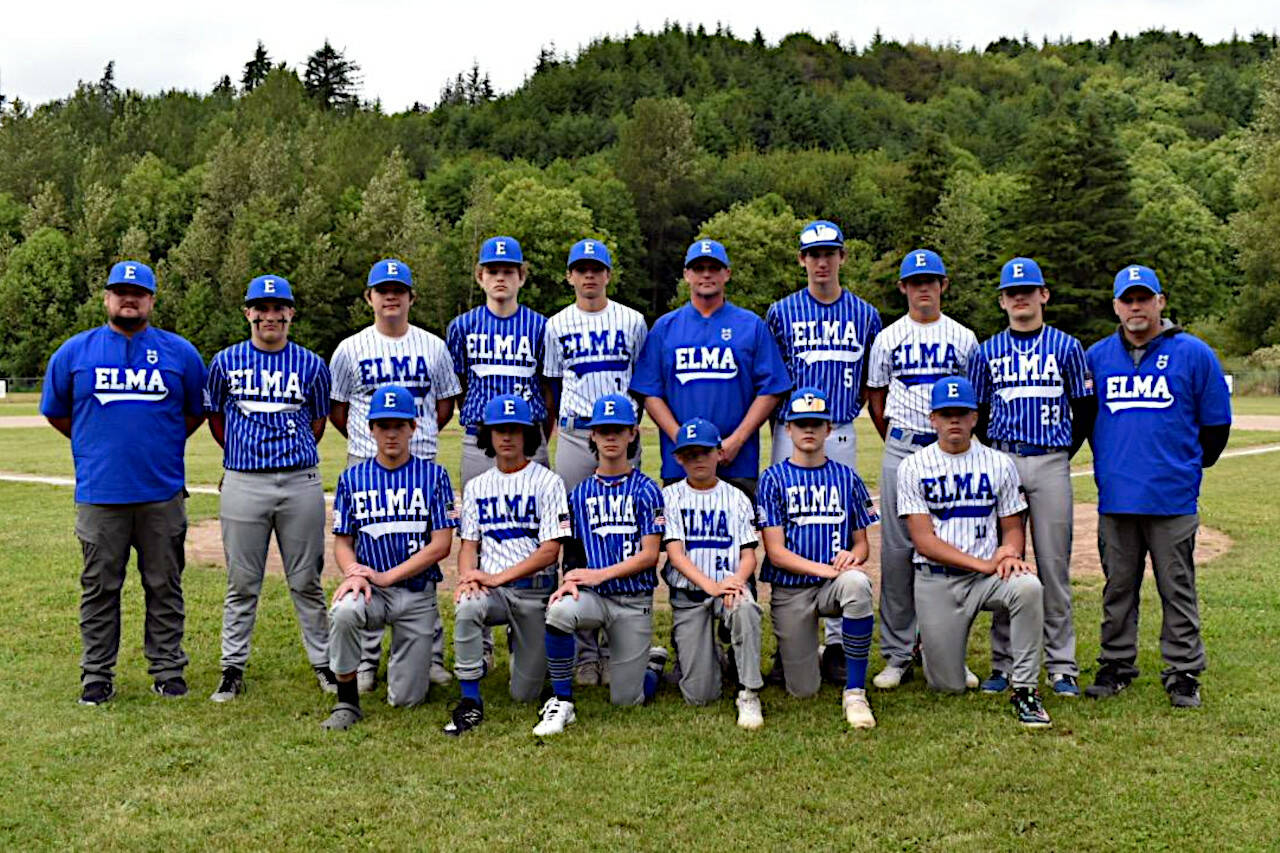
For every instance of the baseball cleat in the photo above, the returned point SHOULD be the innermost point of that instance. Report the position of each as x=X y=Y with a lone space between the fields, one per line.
x=97 y=693
x=857 y=710
x=750 y=716
x=1031 y=712
x=1065 y=686
x=1107 y=683
x=439 y=675
x=466 y=715
x=366 y=680
x=232 y=685
x=170 y=688
x=970 y=679
x=587 y=673
x=891 y=676
x=326 y=679
x=997 y=682
x=554 y=717
x=833 y=664
x=343 y=716
x=1184 y=690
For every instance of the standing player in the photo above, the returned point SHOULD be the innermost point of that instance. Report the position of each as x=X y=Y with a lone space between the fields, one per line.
x=715 y=360
x=513 y=517
x=609 y=571
x=909 y=356
x=1028 y=379
x=825 y=333
x=392 y=350
x=1163 y=412
x=711 y=558
x=591 y=350
x=393 y=520
x=267 y=400
x=814 y=513
x=958 y=496
x=127 y=395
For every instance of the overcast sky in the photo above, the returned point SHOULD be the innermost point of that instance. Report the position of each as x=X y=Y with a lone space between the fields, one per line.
x=408 y=49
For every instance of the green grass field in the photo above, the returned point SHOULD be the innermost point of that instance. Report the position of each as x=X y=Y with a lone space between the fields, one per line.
x=939 y=773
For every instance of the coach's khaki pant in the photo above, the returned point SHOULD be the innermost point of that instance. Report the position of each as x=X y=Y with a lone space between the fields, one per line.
x=524 y=612
x=795 y=611
x=410 y=615
x=693 y=633
x=628 y=620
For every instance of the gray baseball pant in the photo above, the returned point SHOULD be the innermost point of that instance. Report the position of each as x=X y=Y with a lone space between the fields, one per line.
x=693 y=631
x=1047 y=482
x=252 y=505
x=897 y=576
x=1124 y=541
x=106 y=532
x=410 y=615
x=842 y=446
x=946 y=606
x=795 y=611
x=628 y=620
x=524 y=612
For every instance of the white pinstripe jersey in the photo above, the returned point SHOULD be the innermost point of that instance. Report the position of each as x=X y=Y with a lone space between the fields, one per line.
x=714 y=525
x=908 y=357
x=418 y=360
x=593 y=353
x=964 y=494
x=510 y=515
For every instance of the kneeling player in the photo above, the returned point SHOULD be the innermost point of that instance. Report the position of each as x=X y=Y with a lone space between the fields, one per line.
x=953 y=494
x=710 y=543
x=393 y=523
x=511 y=529
x=617 y=531
x=813 y=518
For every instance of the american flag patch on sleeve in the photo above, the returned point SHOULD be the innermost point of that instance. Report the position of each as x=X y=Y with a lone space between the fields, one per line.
x=565 y=523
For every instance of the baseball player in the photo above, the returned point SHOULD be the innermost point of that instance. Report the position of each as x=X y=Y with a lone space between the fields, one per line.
x=591 y=350
x=1164 y=414
x=513 y=518
x=906 y=359
x=267 y=400
x=127 y=395
x=958 y=498
x=1028 y=379
x=609 y=571
x=393 y=520
x=711 y=359
x=813 y=515
x=711 y=558
x=392 y=350
x=824 y=333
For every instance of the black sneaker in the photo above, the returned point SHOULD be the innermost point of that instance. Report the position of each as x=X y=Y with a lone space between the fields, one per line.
x=1107 y=683
x=326 y=679
x=466 y=715
x=231 y=685
x=170 y=688
x=833 y=664
x=1184 y=690
x=97 y=693
x=1031 y=712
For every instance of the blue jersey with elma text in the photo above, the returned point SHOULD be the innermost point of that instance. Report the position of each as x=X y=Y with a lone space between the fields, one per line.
x=1030 y=380
x=611 y=515
x=498 y=355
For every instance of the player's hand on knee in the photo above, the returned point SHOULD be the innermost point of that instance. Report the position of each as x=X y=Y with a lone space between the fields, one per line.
x=358 y=570
x=357 y=585
x=566 y=588
x=582 y=577
x=468 y=589
x=731 y=584
x=843 y=561
x=732 y=598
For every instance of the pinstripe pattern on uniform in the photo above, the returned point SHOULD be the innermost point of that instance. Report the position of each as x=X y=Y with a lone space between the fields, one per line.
x=908 y=357
x=418 y=360
x=826 y=346
x=818 y=510
x=593 y=353
x=964 y=494
x=511 y=514
x=268 y=400
x=392 y=513
x=714 y=525
x=498 y=355
x=1030 y=381
x=610 y=517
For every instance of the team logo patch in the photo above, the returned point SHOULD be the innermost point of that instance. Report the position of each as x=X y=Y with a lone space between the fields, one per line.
x=153 y=357
x=1162 y=361
x=726 y=333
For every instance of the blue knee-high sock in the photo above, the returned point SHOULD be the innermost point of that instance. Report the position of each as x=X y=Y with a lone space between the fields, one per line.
x=560 y=651
x=650 y=684
x=855 y=636
x=471 y=689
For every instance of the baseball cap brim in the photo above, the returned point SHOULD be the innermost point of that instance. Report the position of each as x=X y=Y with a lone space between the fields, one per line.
x=1135 y=285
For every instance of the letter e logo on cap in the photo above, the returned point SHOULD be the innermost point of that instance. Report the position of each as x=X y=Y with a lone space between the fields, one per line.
x=953 y=391
x=921 y=261
x=500 y=248
x=269 y=286
x=706 y=247
x=588 y=248
x=1135 y=274
x=389 y=400
x=130 y=272
x=691 y=431
x=393 y=268
x=1017 y=270
x=508 y=406
x=609 y=407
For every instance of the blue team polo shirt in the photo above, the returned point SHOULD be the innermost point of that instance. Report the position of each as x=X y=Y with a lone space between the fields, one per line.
x=714 y=368
x=127 y=399
x=1146 y=441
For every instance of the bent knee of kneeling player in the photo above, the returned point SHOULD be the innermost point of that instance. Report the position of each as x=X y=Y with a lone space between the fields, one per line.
x=854 y=594
x=563 y=615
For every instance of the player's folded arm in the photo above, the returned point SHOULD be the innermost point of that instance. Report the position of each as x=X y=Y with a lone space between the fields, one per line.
x=932 y=548
x=679 y=558
x=782 y=557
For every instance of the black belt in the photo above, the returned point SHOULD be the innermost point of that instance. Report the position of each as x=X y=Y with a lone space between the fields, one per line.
x=949 y=571
x=542 y=580
x=575 y=422
x=696 y=596
x=1022 y=448
x=281 y=470
x=917 y=438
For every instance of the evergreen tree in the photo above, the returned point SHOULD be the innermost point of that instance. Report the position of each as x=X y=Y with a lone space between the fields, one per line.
x=330 y=78
x=256 y=69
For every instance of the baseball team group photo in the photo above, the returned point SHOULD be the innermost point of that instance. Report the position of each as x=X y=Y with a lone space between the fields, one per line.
x=664 y=487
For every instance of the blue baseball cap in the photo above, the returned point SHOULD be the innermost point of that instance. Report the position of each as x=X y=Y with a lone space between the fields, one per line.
x=1021 y=272
x=590 y=250
x=507 y=409
x=393 y=401
x=953 y=392
x=709 y=249
x=821 y=233
x=698 y=432
x=390 y=270
x=613 y=410
x=132 y=272
x=808 y=404
x=1136 y=276
x=501 y=250
x=922 y=262
x=269 y=287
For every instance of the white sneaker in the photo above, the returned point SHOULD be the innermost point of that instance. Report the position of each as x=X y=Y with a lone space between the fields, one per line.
x=857 y=710
x=971 y=681
x=556 y=714
x=889 y=677
x=438 y=674
x=749 y=714
x=366 y=680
